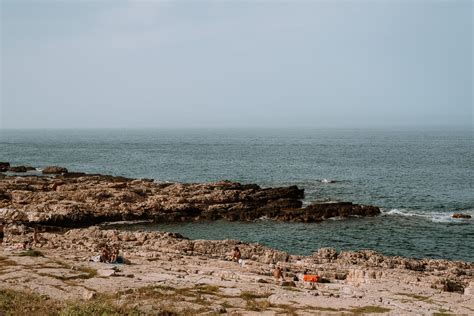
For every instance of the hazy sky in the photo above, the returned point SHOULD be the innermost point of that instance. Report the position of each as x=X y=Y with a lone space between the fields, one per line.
x=236 y=63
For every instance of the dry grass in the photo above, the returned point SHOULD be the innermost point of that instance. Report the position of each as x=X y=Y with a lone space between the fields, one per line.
x=257 y=305
x=246 y=295
x=90 y=272
x=415 y=296
x=363 y=310
x=25 y=303
x=175 y=299
x=207 y=289
x=369 y=310
x=31 y=253
x=256 y=301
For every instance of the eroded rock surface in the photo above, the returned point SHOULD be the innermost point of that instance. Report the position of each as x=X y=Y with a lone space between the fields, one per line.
x=78 y=199
x=54 y=170
x=355 y=267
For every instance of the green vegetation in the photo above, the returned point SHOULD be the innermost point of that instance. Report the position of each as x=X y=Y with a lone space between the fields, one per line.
x=363 y=310
x=23 y=303
x=254 y=301
x=369 y=310
x=257 y=305
x=31 y=253
x=251 y=295
x=162 y=300
x=415 y=296
x=87 y=273
x=443 y=312
x=207 y=289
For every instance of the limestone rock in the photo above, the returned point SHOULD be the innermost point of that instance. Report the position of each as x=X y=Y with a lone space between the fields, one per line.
x=54 y=170
x=325 y=254
x=105 y=272
x=88 y=295
x=360 y=276
x=76 y=200
x=469 y=290
x=448 y=285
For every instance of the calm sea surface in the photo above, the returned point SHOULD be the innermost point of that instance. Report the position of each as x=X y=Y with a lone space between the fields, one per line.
x=419 y=178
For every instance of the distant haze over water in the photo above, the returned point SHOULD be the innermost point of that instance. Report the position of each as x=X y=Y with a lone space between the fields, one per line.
x=418 y=177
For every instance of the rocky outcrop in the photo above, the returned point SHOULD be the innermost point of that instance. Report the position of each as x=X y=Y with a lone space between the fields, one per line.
x=356 y=267
x=54 y=170
x=320 y=211
x=20 y=169
x=77 y=199
x=4 y=166
x=145 y=244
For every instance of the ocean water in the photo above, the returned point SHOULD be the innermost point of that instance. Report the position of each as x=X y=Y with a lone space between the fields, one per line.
x=418 y=178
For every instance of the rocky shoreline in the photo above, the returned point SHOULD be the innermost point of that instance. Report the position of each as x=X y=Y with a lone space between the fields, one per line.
x=79 y=200
x=169 y=272
x=50 y=232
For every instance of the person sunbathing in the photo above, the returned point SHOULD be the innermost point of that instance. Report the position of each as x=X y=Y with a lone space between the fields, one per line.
x=105 y=254
x=236 y=255
x=114 y=254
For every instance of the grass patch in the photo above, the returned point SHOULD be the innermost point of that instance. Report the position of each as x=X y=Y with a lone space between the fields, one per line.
x=355 y=311
x=415 y=296
x=90 y=272
x=164 y=300
x=420 y=298
x=26 y=303
x=257 y=305
x=291 y=288
x=18 y=303
x=443 y=312
x=99 y=306
x=154 y=292
x=246 y=295
x=31 y=253
x=207 y=289
x=87 y=272
x=369 y=310
x=172 y=300
x=256 y=301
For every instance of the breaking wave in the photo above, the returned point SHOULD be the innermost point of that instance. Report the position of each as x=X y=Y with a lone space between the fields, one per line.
x=436 y=217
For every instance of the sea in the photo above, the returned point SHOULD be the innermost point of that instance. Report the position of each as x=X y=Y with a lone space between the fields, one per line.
x=418 y=177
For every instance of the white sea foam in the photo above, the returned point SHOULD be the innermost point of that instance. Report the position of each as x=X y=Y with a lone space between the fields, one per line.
x=436 y=217
x=326 y=181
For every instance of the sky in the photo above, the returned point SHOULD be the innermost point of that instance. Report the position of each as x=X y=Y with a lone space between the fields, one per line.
x=215 y=64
